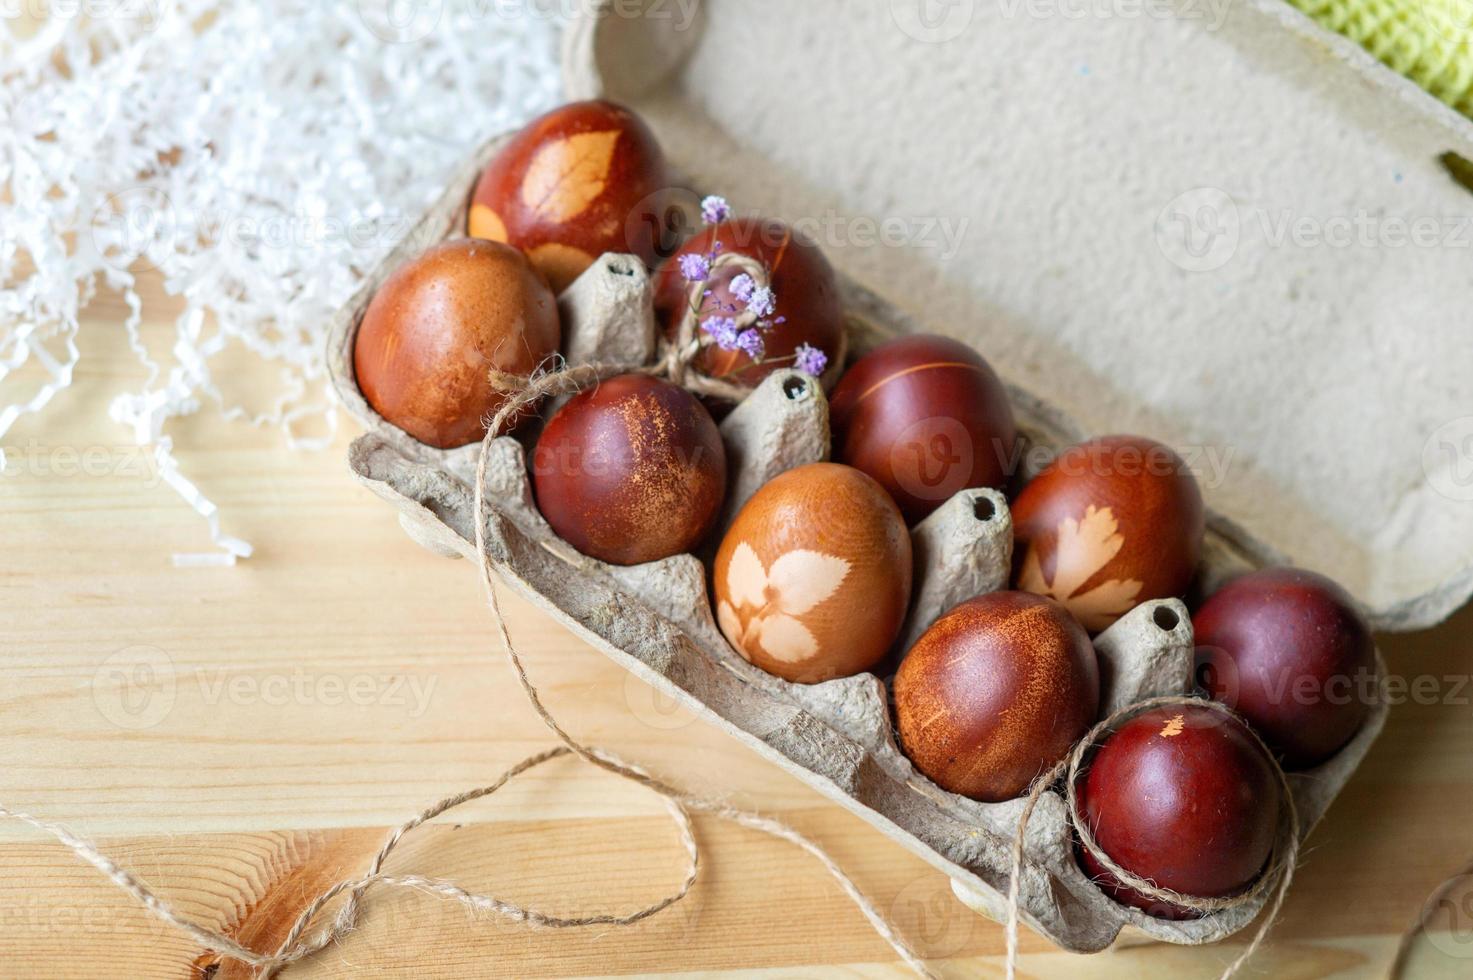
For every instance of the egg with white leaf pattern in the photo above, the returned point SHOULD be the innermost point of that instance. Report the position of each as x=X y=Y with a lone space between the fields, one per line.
x=813 y=577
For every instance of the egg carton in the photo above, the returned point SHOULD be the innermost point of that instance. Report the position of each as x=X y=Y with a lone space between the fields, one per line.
x=655 y=619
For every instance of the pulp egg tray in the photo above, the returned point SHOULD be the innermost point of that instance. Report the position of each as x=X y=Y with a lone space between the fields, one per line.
x=656 y=621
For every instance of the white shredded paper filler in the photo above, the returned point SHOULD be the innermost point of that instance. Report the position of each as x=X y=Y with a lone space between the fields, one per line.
x=261 y=155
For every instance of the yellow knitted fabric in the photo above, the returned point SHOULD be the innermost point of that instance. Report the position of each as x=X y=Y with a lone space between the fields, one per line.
x=1429 y=41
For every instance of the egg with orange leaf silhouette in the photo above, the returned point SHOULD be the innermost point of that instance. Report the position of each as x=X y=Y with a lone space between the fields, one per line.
x=584 y=179
x=1109 y=524
x=813 y=577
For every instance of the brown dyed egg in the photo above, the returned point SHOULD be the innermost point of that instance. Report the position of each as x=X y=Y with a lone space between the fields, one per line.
x=631 y=471
x=1287 y=650
x=436 y=328
x=1108 y=525
x=806 y=293
x=1182 y=796
x=996 y=692
x=813 y=577
x=582 y=180
x=927 y=417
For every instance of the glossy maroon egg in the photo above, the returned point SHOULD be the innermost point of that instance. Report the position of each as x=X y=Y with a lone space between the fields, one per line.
x=927 y=417
x=806 y=292
x=631 y=471
x=438 y=325
x=1111 y=523
x=1182 y=796
x=1288 y=650
x=996 y=692
x=582 y=180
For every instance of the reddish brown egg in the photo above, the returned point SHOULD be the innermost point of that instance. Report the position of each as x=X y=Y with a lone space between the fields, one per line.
x=1108 y=525
x=813 y=577
x=436 y=328
x=1288 y=651
x=631 y=471
x=582 y=180
x=803 y=283
x=927 y=417
x=1182 y=796
x=996 y=692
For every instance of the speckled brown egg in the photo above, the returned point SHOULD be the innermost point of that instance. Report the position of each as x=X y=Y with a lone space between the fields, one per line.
x=804 y=288
x=1111 y=523
x=631 y=471
x=582 y=180
x=996 y=692
x=436 y=328
x=813 y=577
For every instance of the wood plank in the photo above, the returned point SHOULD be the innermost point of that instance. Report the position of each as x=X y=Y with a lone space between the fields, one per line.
x=342 y=679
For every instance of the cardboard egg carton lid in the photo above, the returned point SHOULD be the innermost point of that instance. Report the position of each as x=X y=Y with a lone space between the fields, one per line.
x=1215 y=224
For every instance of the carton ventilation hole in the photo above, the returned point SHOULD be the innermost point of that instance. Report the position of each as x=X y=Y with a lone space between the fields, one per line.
x=984 y=508
x=795 y=388
x=1166 y=618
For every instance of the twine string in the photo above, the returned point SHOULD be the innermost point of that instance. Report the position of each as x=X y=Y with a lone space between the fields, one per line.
x=297 y=945
x=1277 y=875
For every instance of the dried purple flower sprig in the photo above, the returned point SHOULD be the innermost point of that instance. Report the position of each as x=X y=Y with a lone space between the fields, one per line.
x=743 y=324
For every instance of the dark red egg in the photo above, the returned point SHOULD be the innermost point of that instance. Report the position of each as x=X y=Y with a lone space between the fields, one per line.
x=1182 y=796
x=806 y=293
x=996 y=692
x=1288 y=650
x=1111 y=523
x=927 y=417
x=631 y=471
x=438 y=325
x=582 y=180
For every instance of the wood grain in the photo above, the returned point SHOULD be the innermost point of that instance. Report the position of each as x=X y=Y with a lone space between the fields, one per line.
x=263 y=775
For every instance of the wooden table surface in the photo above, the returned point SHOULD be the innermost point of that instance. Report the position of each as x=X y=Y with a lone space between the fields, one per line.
x=305 y=700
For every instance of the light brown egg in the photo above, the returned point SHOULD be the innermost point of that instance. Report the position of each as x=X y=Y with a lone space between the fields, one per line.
x=436 y=328
x=813 y=577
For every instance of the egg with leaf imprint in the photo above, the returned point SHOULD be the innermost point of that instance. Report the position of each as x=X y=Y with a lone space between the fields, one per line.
x=1109 y=524
x=584 y=179
x=813 y=577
